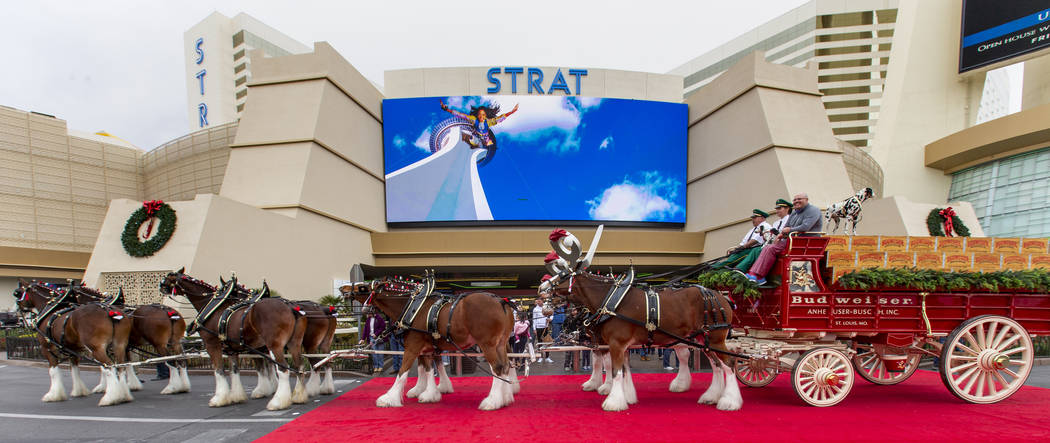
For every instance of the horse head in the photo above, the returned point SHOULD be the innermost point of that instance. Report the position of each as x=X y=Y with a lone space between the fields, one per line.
x=178 y=283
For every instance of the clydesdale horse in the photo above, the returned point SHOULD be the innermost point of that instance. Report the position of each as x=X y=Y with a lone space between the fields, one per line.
x=479 y=318
x=64 y=330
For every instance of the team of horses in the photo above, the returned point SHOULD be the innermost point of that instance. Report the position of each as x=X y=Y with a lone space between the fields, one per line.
x=81 y=323
x=233 y=321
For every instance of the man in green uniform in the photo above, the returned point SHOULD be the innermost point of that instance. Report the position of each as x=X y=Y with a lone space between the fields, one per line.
x=754 y=239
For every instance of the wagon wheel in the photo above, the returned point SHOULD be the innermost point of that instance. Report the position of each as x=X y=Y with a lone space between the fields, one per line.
x=822 y=376
x=870 y=367
x=755 y=372
x=986 y=359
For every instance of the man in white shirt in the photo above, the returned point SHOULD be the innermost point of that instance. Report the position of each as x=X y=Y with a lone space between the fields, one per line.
x=539 y=325
x=783 y=210
x=754 y=239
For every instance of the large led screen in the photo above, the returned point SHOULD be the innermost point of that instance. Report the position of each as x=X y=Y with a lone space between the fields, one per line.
x=534 y=159
x=995 y=30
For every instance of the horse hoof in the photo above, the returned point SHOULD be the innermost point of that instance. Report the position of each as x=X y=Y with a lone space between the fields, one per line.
x=604 y=389
x=385 y=402
x=728 y=404
x=53 y=398
x=490 y=404
x=677 y=386
x=430 y=398
x=707 y=400
x=614 y=405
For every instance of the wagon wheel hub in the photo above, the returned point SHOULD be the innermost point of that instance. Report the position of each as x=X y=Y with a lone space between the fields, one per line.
x=993 y=360
x=1000 y=361
x=826 y=377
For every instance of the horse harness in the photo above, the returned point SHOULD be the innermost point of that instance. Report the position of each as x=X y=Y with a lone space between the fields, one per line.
x=59 y=307
x=713 y=320
x=250 y=298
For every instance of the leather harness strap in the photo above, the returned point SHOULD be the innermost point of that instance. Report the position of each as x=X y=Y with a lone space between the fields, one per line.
x=432 y=317
x=615 y=296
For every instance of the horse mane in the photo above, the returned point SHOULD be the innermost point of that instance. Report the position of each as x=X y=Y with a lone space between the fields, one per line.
x=88 y=290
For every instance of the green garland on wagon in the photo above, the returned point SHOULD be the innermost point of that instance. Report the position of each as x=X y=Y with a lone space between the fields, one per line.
x=727 y=280
x=935 y=224
x=130 y=238
x=932 y=280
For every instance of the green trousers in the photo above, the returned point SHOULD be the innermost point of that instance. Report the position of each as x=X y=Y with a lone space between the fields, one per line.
x=741 y=260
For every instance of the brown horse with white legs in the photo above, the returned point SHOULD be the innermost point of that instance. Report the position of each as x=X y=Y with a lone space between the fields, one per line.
x=681 y=382
x=689 y=312
x=474 y=318
x=64 y=330
x=266 y=327
x=317 y=339
x=320 y=332
x=155 y=324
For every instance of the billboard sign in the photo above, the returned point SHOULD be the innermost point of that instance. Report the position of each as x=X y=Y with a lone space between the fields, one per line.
x=995 y=30
x=534 y=159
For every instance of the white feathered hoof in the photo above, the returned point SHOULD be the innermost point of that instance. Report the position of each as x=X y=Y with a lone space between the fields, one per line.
x=727 y=403
x=605 y=388
x=101 y=386
x=591 y=385
x=615 y=403
x=57 y=392
x=430 y=396
x=389 y=400
x=680 y=384
x=299 y=395
x=445 y=387
x=132 y=379
x=491 y=403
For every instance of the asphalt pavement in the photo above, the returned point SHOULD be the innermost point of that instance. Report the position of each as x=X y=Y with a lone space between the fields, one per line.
x=151 y=417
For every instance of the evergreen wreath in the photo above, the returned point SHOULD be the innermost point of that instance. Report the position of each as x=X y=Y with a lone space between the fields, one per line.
x=130 y=238
x=935 y=224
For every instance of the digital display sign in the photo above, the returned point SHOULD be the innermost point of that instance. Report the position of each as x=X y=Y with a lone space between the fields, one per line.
x=996 y=30
x=530 y=159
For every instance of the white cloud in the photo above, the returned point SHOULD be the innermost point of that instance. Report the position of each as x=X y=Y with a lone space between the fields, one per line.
x=423 y=141
x=606 y=143
x=649 y=200
x=399 y=141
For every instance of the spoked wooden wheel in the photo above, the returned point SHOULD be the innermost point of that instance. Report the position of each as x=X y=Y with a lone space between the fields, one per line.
x=755 y=373
x=986 y=359
x=869 y=366
x=822 y=376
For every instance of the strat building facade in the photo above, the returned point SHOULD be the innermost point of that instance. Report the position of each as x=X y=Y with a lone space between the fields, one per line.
x=218 y=68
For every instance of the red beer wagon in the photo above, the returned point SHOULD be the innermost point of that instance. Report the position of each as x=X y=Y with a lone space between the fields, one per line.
x=982 y=338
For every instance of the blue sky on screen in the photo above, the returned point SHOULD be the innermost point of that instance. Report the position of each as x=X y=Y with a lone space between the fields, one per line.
x=563 y=158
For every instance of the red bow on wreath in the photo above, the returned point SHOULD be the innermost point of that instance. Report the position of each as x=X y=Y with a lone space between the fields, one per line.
x=948 y=213
x=151 y=207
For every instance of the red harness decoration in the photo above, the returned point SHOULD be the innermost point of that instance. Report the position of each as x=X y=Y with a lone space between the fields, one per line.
x=151 y=207
x=947 y=213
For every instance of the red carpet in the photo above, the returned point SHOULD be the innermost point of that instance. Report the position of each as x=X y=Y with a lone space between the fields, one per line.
x=553 y=408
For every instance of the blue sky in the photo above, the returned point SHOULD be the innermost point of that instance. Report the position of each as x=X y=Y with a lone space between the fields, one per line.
x=563 y=158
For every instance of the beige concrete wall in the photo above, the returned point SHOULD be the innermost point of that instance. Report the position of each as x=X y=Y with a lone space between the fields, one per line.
x=54 y=187
x=925 y=98
x=899 y=216
x=299 y=256
x=1006 y=136
x=109 y=254
x=189 y=165
x=1035 y=89
x=311 y=140
x=757 y=133
x=428 y=82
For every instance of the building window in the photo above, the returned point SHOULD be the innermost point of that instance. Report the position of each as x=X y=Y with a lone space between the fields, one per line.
x=238 y=38
x=1011 y=196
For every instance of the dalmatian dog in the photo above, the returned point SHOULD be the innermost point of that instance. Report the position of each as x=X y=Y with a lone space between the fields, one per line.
x=848 y=210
